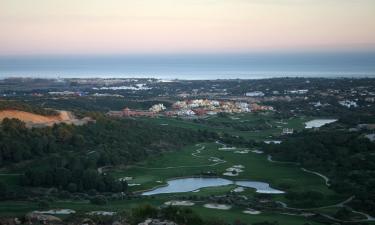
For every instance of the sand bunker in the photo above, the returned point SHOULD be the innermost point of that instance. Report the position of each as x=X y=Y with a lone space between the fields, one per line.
x=56 y=212
x=257 y=151
x=251 y=211
x=239 y=166
x=227 y=148
x=231 y=169
x=179 y=203
x=230 y=174
x=131 y=185
x=272 y=142
x=234 y=171
x=217 y=206
x=238 y=189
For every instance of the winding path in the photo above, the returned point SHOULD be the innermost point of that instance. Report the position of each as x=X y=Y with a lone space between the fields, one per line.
x=326 y=179
x=269 y=158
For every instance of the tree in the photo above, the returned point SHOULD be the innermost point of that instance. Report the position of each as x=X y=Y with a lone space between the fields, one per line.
x=3 y=189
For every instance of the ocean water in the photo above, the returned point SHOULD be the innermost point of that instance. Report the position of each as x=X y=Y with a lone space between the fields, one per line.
x=229 y=66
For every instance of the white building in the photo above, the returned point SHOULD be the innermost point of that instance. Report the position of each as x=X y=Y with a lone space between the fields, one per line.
x=157 y=108
x=348 y=103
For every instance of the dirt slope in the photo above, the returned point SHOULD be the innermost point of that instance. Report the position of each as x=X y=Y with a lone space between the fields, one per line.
x=31 y=118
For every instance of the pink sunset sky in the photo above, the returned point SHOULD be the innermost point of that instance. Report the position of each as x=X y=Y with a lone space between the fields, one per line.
x=184 y=26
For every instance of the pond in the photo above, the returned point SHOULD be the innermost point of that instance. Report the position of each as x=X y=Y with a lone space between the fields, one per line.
x=192 y=184
x=318 y=123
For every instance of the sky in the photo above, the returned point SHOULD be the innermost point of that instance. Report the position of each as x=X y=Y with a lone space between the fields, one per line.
x=32 y=27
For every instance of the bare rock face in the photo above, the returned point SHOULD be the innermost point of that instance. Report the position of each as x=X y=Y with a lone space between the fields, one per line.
x=157 y=222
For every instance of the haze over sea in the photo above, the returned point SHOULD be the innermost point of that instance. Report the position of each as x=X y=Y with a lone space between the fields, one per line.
x=202 y=66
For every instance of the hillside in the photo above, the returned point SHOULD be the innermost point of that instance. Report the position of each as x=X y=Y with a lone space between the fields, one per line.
x=32 y=119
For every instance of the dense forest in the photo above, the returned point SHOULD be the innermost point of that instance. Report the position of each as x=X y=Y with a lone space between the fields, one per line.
x=347 y=158
x=68 y=157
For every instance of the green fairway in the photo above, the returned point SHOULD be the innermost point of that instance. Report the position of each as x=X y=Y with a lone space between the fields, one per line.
x=270 y=126
x=186 y=162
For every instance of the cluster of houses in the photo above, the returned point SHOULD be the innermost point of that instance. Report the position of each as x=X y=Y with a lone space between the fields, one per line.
x=197 y=107
x=211 y=107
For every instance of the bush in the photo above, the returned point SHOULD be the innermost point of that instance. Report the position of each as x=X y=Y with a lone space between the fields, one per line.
x=99 y=200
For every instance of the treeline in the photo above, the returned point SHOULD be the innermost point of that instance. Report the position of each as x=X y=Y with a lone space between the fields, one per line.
x=68 y=157
x=95 y=104
x=17 y=105
x=256 y=125
x=180 y=215
x=347 y=158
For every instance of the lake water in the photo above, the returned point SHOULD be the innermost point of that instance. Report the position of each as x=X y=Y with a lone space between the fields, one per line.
x=193 y=184
x=208 y=66
x=318 y=123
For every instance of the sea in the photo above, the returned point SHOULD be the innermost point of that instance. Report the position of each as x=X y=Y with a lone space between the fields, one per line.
x=192 y=66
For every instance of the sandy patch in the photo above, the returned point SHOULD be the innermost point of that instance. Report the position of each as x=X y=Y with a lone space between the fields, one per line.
x=131 y=185
x=32 y=119
x=159 y=181
x=231 y=169
x=227 y=148
x=230 y=174
x=238 y=189
x=125 y=178
x=214 y=159
x=242 y=151
x=217 y=206
x=239 y=166
x=257 y=151
x=251 y=211
x=56 y=211
x=180 y=203
x=272 y=142
x=234 y=170
x=101 y=213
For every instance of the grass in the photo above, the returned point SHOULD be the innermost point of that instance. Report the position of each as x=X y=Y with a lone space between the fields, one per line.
x=252 y=119
x=236 y=214
x=256 y=168
x=182 y=163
